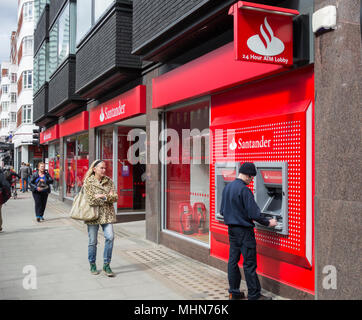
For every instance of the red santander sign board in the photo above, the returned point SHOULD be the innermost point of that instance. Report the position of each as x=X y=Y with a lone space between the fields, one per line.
x=126 y=105
x=263 y=33
x=50 y=134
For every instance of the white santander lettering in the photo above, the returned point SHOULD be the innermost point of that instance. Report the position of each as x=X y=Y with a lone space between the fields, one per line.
x=114 y=112
x=254 y=143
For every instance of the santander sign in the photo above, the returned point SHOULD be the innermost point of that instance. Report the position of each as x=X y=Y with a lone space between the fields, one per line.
x=111 y=112
x=124 y=106
x=265 y=43
x=263 y=33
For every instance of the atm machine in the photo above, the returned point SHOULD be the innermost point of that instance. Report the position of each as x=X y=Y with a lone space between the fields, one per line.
x=225 y=172
x=271 y=194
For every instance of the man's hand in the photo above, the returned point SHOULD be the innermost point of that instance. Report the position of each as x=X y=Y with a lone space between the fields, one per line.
x=273 y=222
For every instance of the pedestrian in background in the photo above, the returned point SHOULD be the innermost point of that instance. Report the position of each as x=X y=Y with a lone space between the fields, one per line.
x=24 y=175
x=239 y=209
x=30 y=173
x=101 y=192
x=40 y=187
x=5 y=194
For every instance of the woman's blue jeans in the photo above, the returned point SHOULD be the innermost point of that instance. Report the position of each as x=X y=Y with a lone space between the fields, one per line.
x=92 y=244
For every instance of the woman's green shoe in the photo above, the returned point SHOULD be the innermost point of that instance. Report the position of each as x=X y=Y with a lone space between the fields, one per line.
x=107 y=270
x=93 y=269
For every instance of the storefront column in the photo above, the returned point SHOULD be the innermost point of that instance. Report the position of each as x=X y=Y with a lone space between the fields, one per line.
x=338 y=154
x=92 y=136
x=153 y=171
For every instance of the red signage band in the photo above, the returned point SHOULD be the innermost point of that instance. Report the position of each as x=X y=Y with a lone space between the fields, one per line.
x=272 y=176
x=74 y=125
x=229 y=175
x=50 y=134
x=126 y=105
x=263 y=33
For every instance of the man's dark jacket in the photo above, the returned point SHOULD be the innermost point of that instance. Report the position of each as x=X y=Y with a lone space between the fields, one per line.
x=238 y=206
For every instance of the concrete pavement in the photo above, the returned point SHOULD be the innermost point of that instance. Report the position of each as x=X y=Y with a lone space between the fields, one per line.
x=48 y=260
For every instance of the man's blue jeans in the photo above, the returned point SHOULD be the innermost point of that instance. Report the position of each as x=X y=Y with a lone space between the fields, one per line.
x=92 y=244
x=24 y=184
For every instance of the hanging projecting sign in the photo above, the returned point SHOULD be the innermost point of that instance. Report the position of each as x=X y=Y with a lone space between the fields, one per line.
x=263 y=33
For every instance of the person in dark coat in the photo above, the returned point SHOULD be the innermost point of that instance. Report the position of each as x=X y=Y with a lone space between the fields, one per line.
x=239 y=209
x=5 y=194
x=40 y=187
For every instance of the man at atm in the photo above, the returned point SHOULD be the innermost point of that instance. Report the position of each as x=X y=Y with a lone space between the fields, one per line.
x=239 y=209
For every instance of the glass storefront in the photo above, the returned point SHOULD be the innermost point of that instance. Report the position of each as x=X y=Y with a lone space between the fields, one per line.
x=54 y=165
x=76 y=163
x=187 y=186
x=129 y=178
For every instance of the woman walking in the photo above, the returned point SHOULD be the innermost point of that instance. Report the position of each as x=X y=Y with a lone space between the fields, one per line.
x=100 y=192
x=39 y=185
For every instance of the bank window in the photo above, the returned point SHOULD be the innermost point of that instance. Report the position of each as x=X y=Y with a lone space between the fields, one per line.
x=91 y=11
x=187 y=183
x=28 y=79
x=27 y=114
x=13 y=78
x=76 y=163
x=54 y=165
x=28 y=11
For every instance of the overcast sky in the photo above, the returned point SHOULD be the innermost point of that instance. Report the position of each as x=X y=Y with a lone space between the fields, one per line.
x=8 y=23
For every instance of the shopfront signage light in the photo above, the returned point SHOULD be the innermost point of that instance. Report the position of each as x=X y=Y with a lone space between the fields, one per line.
x=124 y=106
x=263 y=33
x=50 y=134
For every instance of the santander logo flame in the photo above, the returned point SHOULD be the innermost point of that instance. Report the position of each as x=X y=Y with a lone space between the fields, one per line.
x=265 y=43
x=233 y=145
x=101 y=116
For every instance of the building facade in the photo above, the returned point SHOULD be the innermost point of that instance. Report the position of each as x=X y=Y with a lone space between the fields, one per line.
x=159 y=90
x=22 y=136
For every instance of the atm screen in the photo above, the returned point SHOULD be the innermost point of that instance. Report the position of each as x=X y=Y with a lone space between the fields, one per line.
x=275 y=204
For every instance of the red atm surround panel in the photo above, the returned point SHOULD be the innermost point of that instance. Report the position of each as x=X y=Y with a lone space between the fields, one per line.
x=273 y=109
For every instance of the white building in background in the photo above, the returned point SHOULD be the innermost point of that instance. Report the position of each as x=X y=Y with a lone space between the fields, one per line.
x=8 y=108
x=8 y=98
x=24 y=151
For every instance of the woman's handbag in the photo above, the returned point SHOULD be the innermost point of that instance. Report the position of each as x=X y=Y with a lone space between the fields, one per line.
x=81 y=210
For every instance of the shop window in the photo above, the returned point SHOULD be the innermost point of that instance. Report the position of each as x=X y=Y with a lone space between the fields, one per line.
x=187 y=172
x=76 y=163
x=106 y=149
x=54 y=165
x=131 y=182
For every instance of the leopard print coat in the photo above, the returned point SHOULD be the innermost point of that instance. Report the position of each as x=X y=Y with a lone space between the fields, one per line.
x=106 y=212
